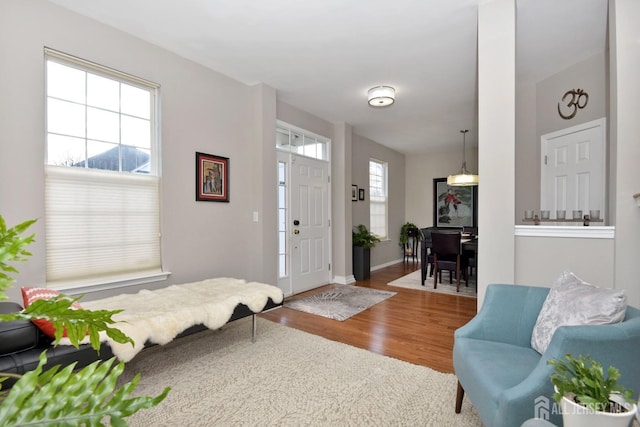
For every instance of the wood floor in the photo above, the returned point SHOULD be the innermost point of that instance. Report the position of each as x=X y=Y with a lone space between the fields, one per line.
x=414 y=326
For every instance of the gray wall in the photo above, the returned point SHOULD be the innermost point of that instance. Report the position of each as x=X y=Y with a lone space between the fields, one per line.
x=536 y=115
x=420 y=172
x=200 y=239
x=388 y=251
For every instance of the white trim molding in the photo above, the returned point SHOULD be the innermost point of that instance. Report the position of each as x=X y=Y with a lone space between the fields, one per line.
x=597 y=232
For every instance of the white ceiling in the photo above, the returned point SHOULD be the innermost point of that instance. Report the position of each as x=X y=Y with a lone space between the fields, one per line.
x=323 y=56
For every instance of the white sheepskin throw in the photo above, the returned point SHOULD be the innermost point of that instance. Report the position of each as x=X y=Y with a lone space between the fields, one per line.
x=158 y=316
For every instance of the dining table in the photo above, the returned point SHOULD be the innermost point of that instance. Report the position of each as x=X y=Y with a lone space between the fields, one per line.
x=469 y=245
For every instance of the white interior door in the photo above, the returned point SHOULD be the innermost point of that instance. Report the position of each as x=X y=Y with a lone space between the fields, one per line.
x=305 y=226
x=573 y=169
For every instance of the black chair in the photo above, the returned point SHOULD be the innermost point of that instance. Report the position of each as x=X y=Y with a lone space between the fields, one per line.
x=448 y=255
x=426 y=255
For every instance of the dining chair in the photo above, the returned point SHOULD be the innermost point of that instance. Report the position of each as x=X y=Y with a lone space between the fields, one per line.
x=426 y=254
x=447 y=255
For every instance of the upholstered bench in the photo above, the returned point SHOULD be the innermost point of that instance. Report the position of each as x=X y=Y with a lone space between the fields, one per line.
x=149 y=317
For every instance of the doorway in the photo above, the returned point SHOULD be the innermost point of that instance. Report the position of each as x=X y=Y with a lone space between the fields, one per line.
x=304 y=222
x=303 y=216
x=573 y=168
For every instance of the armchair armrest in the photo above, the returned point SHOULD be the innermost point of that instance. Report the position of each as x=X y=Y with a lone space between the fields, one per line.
x=508 y=315
x=611 y=345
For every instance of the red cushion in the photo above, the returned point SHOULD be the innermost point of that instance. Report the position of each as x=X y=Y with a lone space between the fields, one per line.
x=29 y=295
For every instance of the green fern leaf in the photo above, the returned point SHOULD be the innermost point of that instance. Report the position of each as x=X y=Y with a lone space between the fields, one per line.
x=89 y=397
x=77 y=323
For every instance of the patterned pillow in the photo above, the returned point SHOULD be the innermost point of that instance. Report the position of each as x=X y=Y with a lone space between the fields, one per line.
x=29 y=295
x=574 y=302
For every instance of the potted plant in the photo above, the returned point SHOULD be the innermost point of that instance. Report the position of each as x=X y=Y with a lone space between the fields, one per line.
x=363 y=240
x=587 y=397
x=408 y=231
x=101 y=398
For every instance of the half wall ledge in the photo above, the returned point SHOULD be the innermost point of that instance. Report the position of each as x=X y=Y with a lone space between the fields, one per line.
x=591 y=232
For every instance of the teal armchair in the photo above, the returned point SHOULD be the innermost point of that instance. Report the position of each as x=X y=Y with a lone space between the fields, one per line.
x=506 y=380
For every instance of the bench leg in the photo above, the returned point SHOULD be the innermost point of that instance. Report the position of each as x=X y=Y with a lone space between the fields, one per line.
x=253 y=327
x=459 y=397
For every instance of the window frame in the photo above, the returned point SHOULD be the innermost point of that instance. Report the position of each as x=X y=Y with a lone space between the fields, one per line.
x=376 y=200
x=114 y=279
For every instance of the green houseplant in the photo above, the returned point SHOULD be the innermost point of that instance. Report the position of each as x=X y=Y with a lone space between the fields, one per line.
x=588 y=396
x=404 y=233
x=363 y=240
x=64 y=397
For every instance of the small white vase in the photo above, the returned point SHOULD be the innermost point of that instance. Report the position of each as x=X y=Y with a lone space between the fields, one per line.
x=575 y=415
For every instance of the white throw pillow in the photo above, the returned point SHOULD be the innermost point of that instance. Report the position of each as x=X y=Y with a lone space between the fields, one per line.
x=574 y=302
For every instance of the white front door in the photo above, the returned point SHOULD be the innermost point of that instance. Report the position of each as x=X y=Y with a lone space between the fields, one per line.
x=573 y=169
x=305 y=232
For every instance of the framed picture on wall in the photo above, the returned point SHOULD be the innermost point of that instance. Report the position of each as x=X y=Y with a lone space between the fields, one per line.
x=454 y=206
x=212 y=178
x=354 y=193
x=361 y=194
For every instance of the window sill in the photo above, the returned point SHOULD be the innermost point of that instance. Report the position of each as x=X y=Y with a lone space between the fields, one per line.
x=591 y=232
x=112 y=283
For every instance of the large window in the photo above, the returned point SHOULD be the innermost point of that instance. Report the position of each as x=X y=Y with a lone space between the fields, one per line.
x=102 y=195
x=378 y=197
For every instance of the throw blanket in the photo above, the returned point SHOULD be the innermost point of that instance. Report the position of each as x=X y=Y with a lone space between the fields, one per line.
x=158 y=316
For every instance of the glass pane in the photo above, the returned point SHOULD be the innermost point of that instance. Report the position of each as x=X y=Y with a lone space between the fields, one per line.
x=136 y=132
x=282 y=241
x=322 y=151
x=282 y=266
x=282 y=201
x=103 y=125
x=65 y=150
x=297 y=143
x=103 y=92
x=65 y=117
x=310 y=150
x=65 y=82
x=136 y=101
x=282 y=220
x=135 y=159
x=282 y=139
x=282 y=169
x=103 y=155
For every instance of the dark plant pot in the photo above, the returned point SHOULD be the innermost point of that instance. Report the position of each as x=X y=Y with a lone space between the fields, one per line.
x=361 y=262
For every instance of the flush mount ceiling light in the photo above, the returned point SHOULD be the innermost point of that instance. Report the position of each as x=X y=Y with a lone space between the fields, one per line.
x=382 y=96
x=464 y=177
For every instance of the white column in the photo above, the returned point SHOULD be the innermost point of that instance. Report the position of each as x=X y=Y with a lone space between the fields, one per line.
x=496 y=143
x=625 y=145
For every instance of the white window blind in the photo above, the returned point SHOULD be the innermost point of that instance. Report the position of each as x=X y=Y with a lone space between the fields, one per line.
x=378 y=198
x=100 y=225
x=101 y=173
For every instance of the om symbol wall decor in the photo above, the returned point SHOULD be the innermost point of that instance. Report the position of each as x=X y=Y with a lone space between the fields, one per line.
x=578 y=99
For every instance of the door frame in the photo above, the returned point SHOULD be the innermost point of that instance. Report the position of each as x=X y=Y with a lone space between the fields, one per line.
x=544 y=140
x=281 y=154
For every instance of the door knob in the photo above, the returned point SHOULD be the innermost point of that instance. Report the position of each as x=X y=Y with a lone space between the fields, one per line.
x=296 y=231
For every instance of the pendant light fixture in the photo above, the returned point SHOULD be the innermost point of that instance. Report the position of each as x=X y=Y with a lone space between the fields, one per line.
x=381 y=96
x=464 y=177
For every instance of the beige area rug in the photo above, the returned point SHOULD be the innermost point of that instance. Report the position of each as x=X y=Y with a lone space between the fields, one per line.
x=288 y=378
x=340 y=302
x=413 y=281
